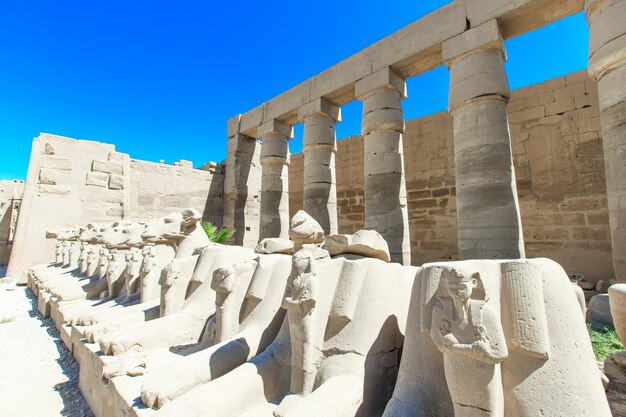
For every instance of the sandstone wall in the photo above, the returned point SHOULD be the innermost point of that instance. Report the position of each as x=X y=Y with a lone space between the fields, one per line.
x=73 y=182
x=10 y=201
x=156 y=189
x=557 y=150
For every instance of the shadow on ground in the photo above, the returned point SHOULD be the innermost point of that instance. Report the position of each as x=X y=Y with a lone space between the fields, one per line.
x=74 y=405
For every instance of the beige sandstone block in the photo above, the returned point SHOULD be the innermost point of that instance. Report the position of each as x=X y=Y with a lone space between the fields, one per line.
x=56 y=162
x=47 y=176
x=108 y=167
x=116 y=182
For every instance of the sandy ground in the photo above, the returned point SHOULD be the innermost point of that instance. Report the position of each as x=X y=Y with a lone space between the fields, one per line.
x=38 y=375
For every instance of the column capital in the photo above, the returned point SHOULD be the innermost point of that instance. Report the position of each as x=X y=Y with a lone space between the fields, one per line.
x=484 y=37
x=383 y=79
x=607 y=36
x=319 y=106
x=275 y=127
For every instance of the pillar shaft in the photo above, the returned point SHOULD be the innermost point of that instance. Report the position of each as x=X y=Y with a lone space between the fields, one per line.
x=274 y=218
x=607 y=65
x=488 y=219
x=242 y=187
x=319 y=147
x=382 y=128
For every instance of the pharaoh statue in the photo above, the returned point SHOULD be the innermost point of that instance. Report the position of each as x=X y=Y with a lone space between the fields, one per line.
x=469 y=334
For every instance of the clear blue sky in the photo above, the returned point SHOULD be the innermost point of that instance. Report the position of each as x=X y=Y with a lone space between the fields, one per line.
x=159 y=79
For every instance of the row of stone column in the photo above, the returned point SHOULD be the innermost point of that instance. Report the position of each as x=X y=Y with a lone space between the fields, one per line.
x=385 y=189
x=488 y=216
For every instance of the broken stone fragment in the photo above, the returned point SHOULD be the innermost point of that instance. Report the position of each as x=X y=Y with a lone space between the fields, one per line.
x=599 y=311
x=272 y=245
x=617 y=297
x=368 y=243
x=305 y=229
x=588 y=286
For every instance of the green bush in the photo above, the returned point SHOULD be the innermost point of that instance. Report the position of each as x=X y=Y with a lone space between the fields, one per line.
x=216 y=235
x=604 y=341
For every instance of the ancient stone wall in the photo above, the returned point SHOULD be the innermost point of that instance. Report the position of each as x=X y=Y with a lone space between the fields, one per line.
x=74 y=182
x=558 y=157
x=156 y=189
x=10 y=200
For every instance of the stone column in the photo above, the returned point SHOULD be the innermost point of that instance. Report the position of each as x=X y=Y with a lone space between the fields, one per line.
x=274 y=221
x=242 y=186
x=607 y=66
x=382 y=127
x=488 y=219
x=319 y=146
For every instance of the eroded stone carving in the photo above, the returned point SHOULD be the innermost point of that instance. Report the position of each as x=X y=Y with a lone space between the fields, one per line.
x=469 y=334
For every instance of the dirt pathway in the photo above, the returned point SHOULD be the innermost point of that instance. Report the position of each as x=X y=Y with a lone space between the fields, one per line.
x=38 y=375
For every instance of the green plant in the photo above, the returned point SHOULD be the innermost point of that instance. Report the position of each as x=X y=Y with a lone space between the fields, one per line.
x=215 y=234
x=5 y=320
x=604 y=341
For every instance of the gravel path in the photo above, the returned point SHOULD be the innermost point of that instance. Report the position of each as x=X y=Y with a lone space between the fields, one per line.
x=38 y=375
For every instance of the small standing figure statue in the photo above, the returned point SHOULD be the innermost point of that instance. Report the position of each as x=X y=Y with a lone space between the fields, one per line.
x=470 y=335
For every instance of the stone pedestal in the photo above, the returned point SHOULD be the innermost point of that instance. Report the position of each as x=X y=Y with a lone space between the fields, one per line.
x=274 y=219
x=319 y=146
x=488 y=219
x=382 y=127
x=607 y=65
x=242 y=189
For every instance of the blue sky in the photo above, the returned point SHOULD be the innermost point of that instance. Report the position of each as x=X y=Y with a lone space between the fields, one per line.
x=159 y=79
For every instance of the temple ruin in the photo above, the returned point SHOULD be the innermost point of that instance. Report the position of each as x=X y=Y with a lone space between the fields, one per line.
x=420 y=269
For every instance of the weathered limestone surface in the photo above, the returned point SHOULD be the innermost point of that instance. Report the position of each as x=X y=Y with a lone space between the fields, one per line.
x=505 y=366
x=312 y=334
x=382 y=127
x=607 y=65
x=274 y=216
x=242 y=189
x=76 y=181
x=319 y=147
x=10 y=201
x=559 y=166
x=488 y=220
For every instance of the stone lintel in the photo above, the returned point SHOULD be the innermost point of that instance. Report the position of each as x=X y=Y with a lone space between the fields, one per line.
x=385 y=78
x=320 y=106
x=232 y=126
x=276 y=127
x=485 y=36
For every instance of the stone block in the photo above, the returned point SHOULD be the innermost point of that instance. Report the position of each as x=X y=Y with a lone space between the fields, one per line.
x=146 y=200
x=116 y=182
x=532 y=113
x=385 y=78
x=275 y=127
x=577 y=77
x=115 y=211
x=107 y=166
x=599 y=310
x=415 y=48
x=60 y=190
x=232 y=126
x=117 y=156
x=184 y=163
x=485 y=36
x=287 y=102
x=56 y=162
x=519 y=16
x=112 y=196
x=322 y=107
x=555 y=83
x=99 y=179
x=48 y=176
